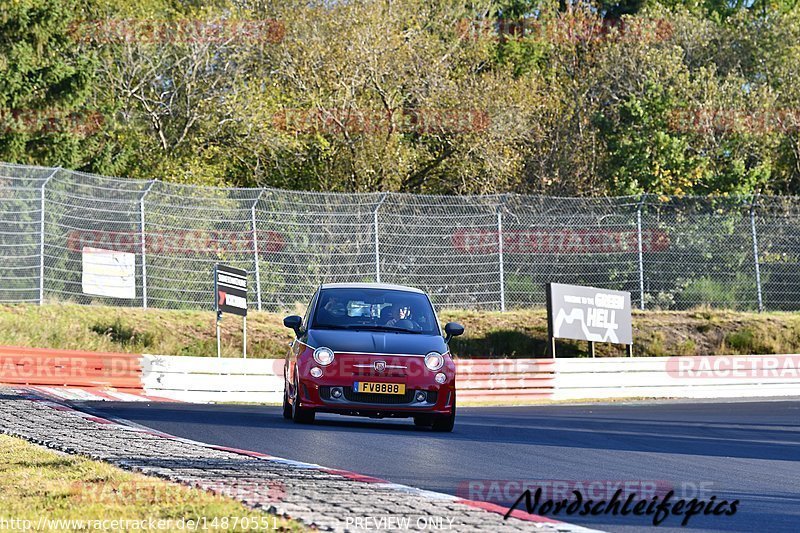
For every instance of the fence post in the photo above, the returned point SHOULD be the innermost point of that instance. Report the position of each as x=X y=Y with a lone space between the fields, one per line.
x=641 y=254
x=377 y=246
x=41 y=235
x=500 y=257
x=255 y=248
x=143 y=243
x=753 y=205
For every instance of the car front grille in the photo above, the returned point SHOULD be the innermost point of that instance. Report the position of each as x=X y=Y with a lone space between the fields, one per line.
x=383 y=399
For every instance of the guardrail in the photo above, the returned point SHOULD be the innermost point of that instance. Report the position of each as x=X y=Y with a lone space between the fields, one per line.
x=209 y=379
x=624 y=377
x=73 y=368
x=507 y=379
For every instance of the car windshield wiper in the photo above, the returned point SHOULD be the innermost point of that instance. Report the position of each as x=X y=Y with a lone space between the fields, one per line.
x=382 y=328
x=330 y=326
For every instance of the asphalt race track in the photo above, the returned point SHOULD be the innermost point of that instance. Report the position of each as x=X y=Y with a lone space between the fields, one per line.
x=748 y=451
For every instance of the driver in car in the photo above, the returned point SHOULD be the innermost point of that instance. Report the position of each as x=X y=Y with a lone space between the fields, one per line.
x=402 y=317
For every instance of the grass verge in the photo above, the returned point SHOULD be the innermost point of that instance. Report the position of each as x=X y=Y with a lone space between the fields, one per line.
x=520 y=333
x=37 y=484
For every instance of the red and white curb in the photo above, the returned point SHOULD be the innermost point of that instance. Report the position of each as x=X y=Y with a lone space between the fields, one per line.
x=97 y=394
x=33 y=394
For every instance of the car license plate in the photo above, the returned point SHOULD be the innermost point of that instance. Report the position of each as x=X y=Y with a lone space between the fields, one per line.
x=379 y=388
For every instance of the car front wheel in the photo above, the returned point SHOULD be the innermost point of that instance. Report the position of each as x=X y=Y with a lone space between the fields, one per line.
x=300 y=415
x=287 y=407
x=423 y=420
x=445 y=423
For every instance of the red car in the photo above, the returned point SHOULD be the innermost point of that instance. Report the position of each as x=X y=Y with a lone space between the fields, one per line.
x=371 y=349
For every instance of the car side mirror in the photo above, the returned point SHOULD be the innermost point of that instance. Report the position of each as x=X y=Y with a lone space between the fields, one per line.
x=452 y=329
x=294 y=322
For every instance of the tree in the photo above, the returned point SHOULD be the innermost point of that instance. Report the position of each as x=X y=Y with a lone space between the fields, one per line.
x=531 y=96
x=46 y=116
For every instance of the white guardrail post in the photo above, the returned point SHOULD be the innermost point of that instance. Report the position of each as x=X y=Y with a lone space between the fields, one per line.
x=41 y=235
x=255 y=249
x=143 y=243
x=377 y=243
x=753 y=206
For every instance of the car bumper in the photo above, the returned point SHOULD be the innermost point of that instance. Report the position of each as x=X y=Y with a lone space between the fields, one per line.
x=439 y=399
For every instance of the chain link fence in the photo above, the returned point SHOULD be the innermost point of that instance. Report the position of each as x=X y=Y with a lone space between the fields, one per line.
x=481 y=252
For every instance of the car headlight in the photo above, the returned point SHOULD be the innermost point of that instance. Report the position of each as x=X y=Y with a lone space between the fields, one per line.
x=323 y=356
x=434 y=361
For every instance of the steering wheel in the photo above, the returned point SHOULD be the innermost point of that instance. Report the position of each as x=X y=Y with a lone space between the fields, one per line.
x=408 y=324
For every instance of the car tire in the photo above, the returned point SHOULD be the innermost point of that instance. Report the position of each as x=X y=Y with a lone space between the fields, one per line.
x=445 y=423
x=287 y=407
x=423 y=420
x=303 y=416
x=300 y=415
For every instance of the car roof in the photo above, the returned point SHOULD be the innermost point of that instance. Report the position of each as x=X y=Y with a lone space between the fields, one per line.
x=383 y=286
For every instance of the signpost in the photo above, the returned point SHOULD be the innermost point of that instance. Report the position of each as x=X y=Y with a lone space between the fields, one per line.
x=230 y=296
x=589 y=314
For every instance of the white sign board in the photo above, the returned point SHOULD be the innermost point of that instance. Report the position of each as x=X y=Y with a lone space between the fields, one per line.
x=109 y=273
x=589 y=313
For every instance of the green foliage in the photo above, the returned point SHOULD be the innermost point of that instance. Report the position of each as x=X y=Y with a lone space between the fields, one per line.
x=644 y=155
x=733 y=294
x=46 y=86
x=123 y=334
x=603 y=97
x=517 y=284
x=743 y=340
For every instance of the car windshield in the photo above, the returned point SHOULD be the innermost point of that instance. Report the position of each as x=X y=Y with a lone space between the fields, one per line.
x=375 y=310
